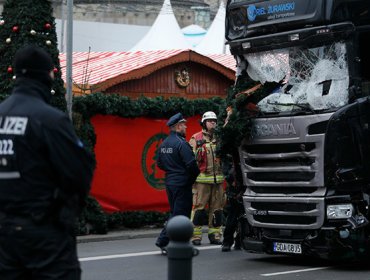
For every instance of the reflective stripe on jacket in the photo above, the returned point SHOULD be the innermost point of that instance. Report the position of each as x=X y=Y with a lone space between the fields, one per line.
x=209 y=179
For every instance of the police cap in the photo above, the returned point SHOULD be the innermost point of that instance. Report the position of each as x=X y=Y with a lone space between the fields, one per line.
x=32 y=59
x=175 y=119
x=35 y=63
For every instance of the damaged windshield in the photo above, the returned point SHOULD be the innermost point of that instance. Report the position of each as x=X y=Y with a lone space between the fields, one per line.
x=310 y=79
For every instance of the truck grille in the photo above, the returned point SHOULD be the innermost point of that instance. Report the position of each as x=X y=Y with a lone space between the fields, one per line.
x=294 y=165
x=297 y=176
x=291 y=213
x=284 y=172
x=287 y=220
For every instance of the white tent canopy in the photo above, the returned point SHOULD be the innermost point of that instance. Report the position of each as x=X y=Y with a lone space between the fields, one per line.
x=165 y=33
x=101 y=36
x=214 y=41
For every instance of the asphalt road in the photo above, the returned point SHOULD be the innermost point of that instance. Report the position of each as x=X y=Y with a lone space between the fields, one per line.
x=138 y=259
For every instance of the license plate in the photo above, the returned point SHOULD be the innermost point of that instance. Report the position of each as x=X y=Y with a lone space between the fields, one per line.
x=287 y=248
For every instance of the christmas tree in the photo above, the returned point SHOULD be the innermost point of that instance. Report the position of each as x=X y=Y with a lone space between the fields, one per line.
x=28 y=22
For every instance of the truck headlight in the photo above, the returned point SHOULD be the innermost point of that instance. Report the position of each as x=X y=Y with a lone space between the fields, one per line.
x=339 y=211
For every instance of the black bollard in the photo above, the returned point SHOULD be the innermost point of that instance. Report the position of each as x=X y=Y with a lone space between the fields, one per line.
x=180 y=251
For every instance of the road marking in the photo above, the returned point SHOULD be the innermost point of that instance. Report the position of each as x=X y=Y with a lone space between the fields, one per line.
x=119 y=256
x=208 y=247
x=295 y=271
x=128 y=255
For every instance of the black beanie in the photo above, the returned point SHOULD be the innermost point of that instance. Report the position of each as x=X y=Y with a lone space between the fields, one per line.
x=35 y=63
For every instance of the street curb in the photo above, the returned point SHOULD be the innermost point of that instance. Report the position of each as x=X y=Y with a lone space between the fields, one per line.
x=121 y=235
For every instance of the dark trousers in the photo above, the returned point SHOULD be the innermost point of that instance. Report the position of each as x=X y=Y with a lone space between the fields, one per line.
x=181 y=201
x=234 y=210
x=37 y=252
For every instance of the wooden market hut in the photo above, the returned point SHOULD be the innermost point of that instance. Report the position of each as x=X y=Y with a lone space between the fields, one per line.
x=124 y=151
x=181 y=73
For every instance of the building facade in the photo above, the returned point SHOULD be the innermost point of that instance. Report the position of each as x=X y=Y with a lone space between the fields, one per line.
x=138 y=12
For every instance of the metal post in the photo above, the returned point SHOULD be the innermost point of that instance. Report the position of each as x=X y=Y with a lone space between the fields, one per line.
x=180 y=251
x=69 y=56
x=62 y=40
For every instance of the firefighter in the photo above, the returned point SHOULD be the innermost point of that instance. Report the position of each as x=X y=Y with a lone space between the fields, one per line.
x=176 y=158
x=208 y=187
x=45 y=176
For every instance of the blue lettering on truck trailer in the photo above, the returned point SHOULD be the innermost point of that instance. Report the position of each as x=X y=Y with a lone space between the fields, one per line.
x=253 y=12
x=287 y=7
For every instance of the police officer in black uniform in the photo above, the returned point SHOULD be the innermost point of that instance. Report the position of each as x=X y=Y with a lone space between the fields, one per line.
x=176 y=158
x=45 y=176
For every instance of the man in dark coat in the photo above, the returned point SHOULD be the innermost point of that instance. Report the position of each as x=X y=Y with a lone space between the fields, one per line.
x=45 y=176
x=176 y=158
x=234 y=207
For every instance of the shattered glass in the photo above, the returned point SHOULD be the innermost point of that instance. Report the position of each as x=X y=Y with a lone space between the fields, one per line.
x=315 y=78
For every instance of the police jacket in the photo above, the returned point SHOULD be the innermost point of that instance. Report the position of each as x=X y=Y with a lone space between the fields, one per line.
x=42 y=162
x=176 y=158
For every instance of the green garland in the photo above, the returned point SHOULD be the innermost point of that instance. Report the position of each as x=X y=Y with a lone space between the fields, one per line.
x=240 y=121
x=94 y=220
x=159 y=107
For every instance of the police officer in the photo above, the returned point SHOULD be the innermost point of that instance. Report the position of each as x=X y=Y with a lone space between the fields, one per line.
x=45 y=176
x=176 y=158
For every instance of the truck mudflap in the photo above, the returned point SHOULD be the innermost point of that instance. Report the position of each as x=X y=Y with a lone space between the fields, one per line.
x=327 y=243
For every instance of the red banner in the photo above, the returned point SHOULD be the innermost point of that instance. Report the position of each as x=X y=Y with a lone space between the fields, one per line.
x=126 y=177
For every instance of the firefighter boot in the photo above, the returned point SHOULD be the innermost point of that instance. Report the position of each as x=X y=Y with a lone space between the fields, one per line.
x=198 y=221
x=214 y=232
x=214 y=236
x=197 y=236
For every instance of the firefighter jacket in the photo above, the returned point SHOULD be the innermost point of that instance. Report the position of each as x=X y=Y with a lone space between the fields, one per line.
x=204 y=148
x=43 y=165
x=176 y=158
